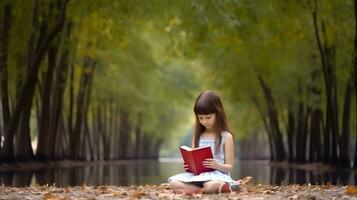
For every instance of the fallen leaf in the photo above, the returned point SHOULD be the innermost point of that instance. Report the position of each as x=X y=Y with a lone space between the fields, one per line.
x=268 y=192
x=102 y=188
x=50 y=196
x=275 y=188
x=246 y=179
x=138 y=195
x=351 y=190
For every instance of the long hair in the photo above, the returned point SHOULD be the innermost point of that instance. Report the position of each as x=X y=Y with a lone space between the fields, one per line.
x=206 y=103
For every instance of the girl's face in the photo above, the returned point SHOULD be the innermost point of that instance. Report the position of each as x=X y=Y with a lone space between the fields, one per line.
x=207 y=121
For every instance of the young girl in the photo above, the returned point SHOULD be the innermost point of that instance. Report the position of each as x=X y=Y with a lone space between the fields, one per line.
x=211 y=130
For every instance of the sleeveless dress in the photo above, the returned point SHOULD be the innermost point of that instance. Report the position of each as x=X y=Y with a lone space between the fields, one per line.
x=188 y=177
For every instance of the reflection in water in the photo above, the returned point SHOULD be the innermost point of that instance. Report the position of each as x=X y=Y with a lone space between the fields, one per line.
x=267 y=174
x=154 y=172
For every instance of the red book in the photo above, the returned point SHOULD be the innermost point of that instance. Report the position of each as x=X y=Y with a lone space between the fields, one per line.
x=194 y=158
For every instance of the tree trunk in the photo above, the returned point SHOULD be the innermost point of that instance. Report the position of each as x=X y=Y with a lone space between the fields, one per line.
x=89 y=140
x=4 y=44
x=315 y=120
x=146 y=146
x=23 y=149
x=327 y=53
x=59 y=88
x=76 y=134
x=273 y=121
x=82 y=106
x=315 y=154
x=291 y=134
x=354 y=75
x=96 y=118
x=61 y=145
x=345 y=133
x=300 y=150
x=124 y=134
x=333 y=104
x=138 y=136
x=113 y=116
x=23 y=106
x=45 y=135
x=71 y=108
x=104 y=131
x=87 y=102
x=156 y=149
x=52 y=103
x=305 y=132
x=94 y=132
x=267 y=128
x=116 y=140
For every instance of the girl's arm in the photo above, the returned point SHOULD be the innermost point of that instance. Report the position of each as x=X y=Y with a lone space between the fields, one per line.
x=193 y=142
x=228 y=154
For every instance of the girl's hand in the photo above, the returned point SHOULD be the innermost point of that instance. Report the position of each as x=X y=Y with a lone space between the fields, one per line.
x=210 y=163
x=185 y=166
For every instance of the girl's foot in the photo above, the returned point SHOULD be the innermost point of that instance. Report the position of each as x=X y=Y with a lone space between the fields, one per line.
x=227 y=188
x=224 y=188
x=237 y=186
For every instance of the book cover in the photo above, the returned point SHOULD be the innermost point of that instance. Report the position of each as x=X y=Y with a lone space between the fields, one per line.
x=194 y=158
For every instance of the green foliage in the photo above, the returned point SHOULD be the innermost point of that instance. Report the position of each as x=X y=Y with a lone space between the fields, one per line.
x=154 y=57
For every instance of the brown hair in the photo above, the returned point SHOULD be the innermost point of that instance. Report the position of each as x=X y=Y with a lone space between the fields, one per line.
x=206 y=103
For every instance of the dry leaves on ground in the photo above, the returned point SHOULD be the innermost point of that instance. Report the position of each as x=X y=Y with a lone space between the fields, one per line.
x=162 y=191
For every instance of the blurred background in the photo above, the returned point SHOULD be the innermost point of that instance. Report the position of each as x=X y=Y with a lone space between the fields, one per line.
x=110 y=85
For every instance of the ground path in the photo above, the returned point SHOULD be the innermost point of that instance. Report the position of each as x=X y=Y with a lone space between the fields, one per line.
x=162 y=192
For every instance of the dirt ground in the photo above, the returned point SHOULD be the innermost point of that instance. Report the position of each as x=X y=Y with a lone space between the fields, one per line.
x=163 y=192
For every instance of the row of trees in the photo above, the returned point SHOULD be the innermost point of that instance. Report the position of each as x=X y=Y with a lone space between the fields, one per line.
x=89 y=78
x=81 y=79
x=294 y=61
x=41 y=36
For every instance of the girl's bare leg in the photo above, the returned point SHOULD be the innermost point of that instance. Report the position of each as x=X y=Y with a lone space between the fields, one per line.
x=211 y=186
x=181 y=187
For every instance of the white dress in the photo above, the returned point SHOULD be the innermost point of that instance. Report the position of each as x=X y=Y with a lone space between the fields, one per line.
x=188 y=177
